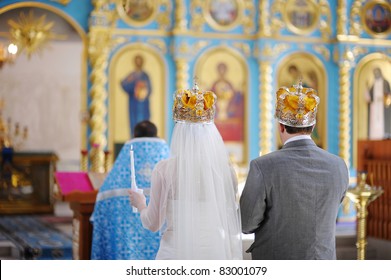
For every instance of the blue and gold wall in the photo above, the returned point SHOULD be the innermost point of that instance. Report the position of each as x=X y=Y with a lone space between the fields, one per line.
x=244 y=50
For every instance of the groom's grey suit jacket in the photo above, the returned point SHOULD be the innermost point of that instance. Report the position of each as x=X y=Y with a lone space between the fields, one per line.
x=291 y=200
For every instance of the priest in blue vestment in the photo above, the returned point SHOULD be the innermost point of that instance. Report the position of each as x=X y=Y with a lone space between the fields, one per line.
x=117 y=230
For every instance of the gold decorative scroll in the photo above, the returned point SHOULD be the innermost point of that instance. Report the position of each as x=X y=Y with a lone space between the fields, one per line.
x=159 y=44
x=180 y=16
x=325 y=19
x=186 y=50
x=248 y=17
x=264 y=15
x=323 y=51
x=341 y=18
x=355 y=23
x=163 y=18
x=182 y=73
x=243 y=47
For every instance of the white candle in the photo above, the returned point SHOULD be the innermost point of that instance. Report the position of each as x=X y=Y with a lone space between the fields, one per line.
x=133 y=175
x=132 y=170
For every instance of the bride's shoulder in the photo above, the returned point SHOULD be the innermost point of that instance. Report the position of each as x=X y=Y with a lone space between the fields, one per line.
x=164 y=164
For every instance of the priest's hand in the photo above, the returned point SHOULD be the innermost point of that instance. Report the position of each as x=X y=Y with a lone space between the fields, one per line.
x=137 y=200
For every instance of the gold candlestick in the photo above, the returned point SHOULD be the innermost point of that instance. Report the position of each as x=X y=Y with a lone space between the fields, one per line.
x=362 y=195
x=107 y=161
x=84 y=161
x=97 y=159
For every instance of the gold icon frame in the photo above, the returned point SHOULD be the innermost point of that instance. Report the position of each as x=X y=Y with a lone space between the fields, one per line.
x=134 y=22
x=294 y=28
x=216 y=25
x=369 y=6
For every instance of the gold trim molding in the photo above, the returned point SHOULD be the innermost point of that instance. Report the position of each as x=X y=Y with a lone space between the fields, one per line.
x=62 y=2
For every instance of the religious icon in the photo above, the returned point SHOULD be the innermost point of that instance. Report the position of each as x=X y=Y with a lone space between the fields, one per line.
x=301 y=16
x=230 y=106
x=223 y=12
x=305 y=68
x=377 y=17
x=138 y=87
x=378 y=97
x=225 y=73
x=139 y=10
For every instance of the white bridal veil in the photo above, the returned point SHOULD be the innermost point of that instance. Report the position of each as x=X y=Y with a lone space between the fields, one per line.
x=202 y=199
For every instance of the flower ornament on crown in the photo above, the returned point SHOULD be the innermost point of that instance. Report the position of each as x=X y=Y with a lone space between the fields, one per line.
x=296 y=105
x=194 y=105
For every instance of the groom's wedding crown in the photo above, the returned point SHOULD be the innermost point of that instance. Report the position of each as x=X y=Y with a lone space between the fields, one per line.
x=194 y=105
x=296 y=106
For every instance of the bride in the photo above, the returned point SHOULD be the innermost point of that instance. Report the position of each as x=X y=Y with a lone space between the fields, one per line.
x=193 y=193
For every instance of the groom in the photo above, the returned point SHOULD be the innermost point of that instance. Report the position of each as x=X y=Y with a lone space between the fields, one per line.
x=291 y=197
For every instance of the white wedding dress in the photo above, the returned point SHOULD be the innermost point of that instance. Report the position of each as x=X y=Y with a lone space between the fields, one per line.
x=193 y=198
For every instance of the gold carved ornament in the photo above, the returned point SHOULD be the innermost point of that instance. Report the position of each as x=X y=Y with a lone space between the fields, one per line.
x=31 y=34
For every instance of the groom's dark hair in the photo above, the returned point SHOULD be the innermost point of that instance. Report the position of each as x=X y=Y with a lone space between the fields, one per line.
x=145 y=129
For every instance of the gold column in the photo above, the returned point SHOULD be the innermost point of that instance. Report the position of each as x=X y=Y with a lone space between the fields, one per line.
x=344 y=111
x=362 y=195
x=265 y=107
x=341 y=18
x=180 y=16
x=182 y=73
x=99 y=39
x=264 y=15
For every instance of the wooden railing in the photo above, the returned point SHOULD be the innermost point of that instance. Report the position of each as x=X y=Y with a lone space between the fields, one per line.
x=375 y=158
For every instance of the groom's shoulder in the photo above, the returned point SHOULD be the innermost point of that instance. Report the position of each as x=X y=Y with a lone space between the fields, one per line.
x=268 y=158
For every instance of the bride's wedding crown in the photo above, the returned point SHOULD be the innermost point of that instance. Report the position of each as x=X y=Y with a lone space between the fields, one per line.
x=194 y=105
x=297 y=106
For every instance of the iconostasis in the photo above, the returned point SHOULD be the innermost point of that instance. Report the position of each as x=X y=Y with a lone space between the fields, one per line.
x=139 y=52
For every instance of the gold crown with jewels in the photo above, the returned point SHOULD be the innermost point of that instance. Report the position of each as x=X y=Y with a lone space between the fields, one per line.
x=194 y=105
x=296 y=106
